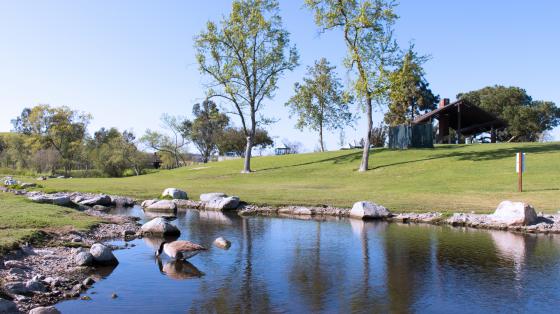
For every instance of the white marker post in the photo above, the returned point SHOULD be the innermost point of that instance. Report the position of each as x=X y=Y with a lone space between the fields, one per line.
x=520 y=168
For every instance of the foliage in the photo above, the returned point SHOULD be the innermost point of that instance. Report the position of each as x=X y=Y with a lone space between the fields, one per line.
x=367 y=27
x=206 y=128
x=244 y=56
x=60 y=128
x=233 y=140
x=527 y=119
x=173 y=145
x=319 y=102
x=409 y=90
x=378 y=135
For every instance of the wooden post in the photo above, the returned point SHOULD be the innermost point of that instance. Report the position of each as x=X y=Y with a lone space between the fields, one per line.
x=520 y=167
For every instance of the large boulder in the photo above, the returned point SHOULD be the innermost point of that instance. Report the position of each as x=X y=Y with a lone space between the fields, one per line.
x=8 y=307
x=222 y=203
x=104 y=200
x=147 y=203
x=163 y=205
x=514 y=214
x=368 y=210
x=159 y=226
x=44 y=310
x=103 y=255
x=83 y=259
x=17 y=287
x=122 y=201
x=207 y=197
x=35 y=286
x=61 y=200
x=175 y=193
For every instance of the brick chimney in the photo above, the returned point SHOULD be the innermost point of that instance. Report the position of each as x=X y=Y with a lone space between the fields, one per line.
x=443 y=102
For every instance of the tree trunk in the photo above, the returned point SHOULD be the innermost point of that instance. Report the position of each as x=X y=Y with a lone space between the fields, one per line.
x=248 y=149
x=365 y=154
x=321 y=137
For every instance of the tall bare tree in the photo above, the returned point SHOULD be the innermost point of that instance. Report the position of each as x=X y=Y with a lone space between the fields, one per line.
x=244 y=56
x=367 y=27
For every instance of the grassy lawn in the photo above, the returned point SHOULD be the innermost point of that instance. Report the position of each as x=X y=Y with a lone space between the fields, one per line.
x=20 y=219
x=447 y=178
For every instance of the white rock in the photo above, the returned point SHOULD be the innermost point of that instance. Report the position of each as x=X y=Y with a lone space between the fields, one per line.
x=303 y=211
x=159 y=226
x=365 y=210
x=222 y=243
x=102 y=255
x=207 y=197
x=163 y=205
x=147 y=203
x=51 y=199
x=102 y=199
x=175 y=193
x=44 y=310
x=223 y=203
x=10 y=182
x=8 y=307
x=514 y=214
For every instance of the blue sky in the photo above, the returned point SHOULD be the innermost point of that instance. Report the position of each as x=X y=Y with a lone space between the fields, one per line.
x=126 y=62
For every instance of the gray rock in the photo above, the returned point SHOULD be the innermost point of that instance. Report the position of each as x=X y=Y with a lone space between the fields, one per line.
x=103 y=255
x=163 y=205
x=61 y=200
x=368 y=210
x=10 y=182
x=35 y=286
x=207 y=197
x=159 y=226
x=222 y=243
x=28 y=185
x=101 y=208
x=8 y=307
x=88 y=281
x=223 y=203
x=302 y=211
x=122 y=201
x=83 y=259
x=101 y=199
x=514 y=214
x=175 y=193
x=44 y=310
x=16 y=288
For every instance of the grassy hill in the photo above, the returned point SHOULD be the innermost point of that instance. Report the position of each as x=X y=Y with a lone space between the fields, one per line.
x=449 y=177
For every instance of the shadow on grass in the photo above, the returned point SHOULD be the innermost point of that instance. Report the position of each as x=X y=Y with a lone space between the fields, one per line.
x=493 y=154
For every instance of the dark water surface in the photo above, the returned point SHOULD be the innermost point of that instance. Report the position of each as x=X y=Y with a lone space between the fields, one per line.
x=280 y=265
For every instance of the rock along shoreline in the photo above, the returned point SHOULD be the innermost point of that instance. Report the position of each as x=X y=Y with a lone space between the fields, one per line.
x=33 y=277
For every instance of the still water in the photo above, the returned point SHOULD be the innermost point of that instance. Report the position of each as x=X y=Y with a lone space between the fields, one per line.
x=278 y=265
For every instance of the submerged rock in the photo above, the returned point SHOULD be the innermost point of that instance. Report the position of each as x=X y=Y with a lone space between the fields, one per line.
x=103 y=255
x=44 y=310
x=514 y=214
x=175 y=193
x=222 y=243
x=159 y=226
x=365 y=210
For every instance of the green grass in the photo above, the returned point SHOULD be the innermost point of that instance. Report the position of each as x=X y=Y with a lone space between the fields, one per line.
x=21 y=220
x=447 y=178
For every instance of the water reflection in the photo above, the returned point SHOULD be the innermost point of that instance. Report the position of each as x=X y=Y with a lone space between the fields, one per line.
x=287 y=265
x=178 y=269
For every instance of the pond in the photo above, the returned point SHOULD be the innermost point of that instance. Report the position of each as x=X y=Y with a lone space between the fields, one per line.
x=278 y=265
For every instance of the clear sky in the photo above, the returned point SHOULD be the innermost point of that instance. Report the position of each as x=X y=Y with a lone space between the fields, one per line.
x=126 y=62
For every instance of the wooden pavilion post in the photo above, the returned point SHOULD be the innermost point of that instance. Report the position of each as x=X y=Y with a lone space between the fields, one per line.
x=459 y=123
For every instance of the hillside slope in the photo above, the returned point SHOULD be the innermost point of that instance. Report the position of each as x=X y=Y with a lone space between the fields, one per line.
x=449 y=177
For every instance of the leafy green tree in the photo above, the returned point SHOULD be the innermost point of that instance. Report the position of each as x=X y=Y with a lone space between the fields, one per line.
x=367 y=28
x=60 y=128
x=527 y=119
x=319 y=102
x=233 y=140
x=409 y=91
x=244 y=56
x=173 y=143
x=206 y=128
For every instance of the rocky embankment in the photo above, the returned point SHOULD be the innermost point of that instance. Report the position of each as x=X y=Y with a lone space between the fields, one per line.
x=69 y=261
